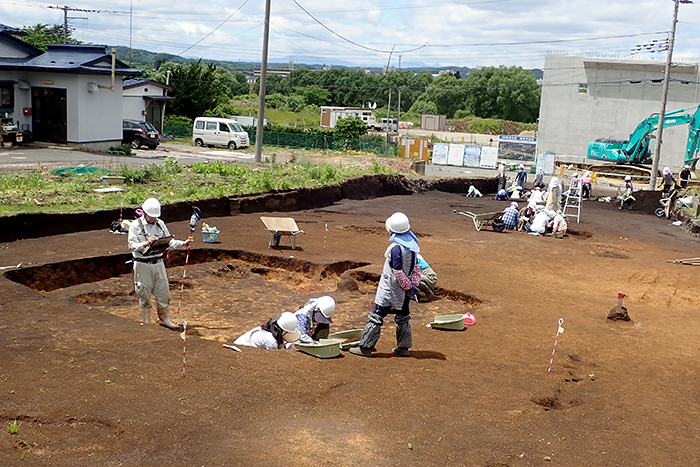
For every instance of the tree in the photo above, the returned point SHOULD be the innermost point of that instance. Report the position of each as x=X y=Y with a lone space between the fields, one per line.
x=40 y=35
x=314 y=95
x=353 y=127
x=194 y=89
x=273 y=84
x=232 y=83
x=447 y=93
x=510 y=93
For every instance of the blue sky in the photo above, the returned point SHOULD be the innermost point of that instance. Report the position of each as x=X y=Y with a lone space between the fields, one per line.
x=468 y=33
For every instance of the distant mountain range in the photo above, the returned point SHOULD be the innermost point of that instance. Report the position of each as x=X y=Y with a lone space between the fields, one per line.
x=145 y=59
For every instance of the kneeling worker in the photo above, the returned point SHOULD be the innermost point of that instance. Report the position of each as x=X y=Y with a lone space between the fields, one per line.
x=428 y=280
x=279 y=332
x=314 y=319
x=150 y=276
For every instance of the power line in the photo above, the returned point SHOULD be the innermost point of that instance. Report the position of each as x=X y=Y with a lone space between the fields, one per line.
x=353 y=42
x=214 y=30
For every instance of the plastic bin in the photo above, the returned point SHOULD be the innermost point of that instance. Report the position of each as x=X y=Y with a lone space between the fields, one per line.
x=210 y=237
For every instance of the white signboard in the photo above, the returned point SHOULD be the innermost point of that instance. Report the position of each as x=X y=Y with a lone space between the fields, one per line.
x=472 y=155
x=440 y=151
x=455 y=156
x=545 y=161
x=489 y=156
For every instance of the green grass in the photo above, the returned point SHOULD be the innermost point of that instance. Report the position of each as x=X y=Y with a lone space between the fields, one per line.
x=39 y=191
x=13 y=427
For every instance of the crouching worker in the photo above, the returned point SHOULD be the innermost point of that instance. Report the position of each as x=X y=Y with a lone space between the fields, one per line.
x=511 y=216
x=397 y=286
x=279 y=332
x=428 y=280
x=314 y=319
x=150 y=276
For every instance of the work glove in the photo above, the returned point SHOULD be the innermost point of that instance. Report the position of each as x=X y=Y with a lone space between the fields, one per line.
x=413 y=293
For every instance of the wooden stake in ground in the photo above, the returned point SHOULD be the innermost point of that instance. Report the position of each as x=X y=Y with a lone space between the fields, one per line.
x=556 y=339
x=184 y=348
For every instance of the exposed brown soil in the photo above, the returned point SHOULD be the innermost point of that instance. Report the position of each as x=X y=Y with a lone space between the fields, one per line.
x=91 y=385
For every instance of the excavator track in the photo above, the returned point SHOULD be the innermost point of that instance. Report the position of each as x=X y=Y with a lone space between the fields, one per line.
x=638 y=172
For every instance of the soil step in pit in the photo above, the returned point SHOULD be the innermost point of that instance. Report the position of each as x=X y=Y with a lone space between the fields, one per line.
x=227 y=292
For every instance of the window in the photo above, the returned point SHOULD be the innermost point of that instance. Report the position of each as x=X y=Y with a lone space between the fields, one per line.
x=223 y=127
x=235 y=127
x=199 y=125
x=211 y=126
x=583 y=88
x=7 y=96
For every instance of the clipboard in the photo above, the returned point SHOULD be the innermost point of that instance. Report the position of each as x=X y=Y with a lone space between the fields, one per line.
x=159 y=246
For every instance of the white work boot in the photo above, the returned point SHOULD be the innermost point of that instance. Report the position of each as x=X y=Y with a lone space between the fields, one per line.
x=164 y=318
x=146 y=315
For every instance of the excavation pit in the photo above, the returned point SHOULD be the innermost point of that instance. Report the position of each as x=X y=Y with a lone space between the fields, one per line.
x=226 y=292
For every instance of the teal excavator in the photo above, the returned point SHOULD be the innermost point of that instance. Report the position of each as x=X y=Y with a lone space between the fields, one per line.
x=629 y=155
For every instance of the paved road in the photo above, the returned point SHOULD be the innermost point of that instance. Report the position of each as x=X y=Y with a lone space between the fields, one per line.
x=28 y=157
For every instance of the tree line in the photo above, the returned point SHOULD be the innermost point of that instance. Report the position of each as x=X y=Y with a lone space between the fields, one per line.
x=509 y=93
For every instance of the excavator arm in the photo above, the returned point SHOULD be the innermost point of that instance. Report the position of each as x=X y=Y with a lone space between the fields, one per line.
x=635 y=149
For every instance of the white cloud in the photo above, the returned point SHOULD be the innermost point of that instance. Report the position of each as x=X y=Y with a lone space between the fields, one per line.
x=460 y=32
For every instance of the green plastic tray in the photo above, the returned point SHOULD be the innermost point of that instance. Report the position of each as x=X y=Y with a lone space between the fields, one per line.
x=353 y=335
x=448 y=322
x=326 y=348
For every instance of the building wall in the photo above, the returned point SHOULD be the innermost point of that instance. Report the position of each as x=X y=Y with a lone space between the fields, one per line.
x=93 y=117
x=133 y=107
x=588 y=98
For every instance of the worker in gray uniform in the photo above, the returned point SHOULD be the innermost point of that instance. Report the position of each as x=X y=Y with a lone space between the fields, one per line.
x=398 y=285
x=150 y=277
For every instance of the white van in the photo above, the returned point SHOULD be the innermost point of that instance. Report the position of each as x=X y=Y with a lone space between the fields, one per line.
x=213 y=131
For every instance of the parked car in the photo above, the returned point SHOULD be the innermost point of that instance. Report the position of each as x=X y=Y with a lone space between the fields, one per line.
x=211 y=131
x=140 y=134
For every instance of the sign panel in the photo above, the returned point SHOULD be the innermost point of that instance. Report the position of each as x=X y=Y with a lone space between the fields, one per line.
x=489 y=157
x=455 y=156
x=440 y=151
x=517 y=149
x=472 y=155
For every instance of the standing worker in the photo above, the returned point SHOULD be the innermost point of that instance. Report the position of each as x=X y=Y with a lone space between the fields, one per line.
x=685 y=176
x=668 y=181
x=501 y=176
x=398 y=284
x=150 y=277
x=521 y=177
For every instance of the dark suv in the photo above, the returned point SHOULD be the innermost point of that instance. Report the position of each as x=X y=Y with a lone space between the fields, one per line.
x=140 y=134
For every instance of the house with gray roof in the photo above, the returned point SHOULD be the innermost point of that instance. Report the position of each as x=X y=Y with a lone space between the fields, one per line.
x=69 y=94
x=145 y=99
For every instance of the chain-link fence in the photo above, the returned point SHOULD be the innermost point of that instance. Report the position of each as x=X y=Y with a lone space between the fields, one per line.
x=324 y=142
x=300 y=140
x=177 y=129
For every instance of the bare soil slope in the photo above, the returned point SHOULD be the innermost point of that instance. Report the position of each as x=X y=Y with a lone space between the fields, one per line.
x=92 y=386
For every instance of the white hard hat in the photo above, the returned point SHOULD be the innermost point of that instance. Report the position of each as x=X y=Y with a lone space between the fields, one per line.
x=514 y=204
x=326 y=305
x=666 y=170
x=288 y=323
x=628 y=178
x=398 y=223
x=151 y=207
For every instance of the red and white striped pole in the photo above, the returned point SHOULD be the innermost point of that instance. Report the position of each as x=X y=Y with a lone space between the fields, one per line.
x=325 y=234
x=182 y=286
x=184 y=348
x=556 y=339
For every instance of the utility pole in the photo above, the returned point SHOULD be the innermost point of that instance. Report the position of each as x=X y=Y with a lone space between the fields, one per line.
x=131 y=16
x=398 y=109
x=65 y=24
x=388 y=122
x=263 y=79
x=664 y=97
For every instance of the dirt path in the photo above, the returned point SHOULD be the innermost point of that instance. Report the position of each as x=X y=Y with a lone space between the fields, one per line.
x=92 y=386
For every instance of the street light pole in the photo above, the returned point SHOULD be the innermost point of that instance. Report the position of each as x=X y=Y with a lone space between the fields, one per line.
x=664 y=96
x=263 y=88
